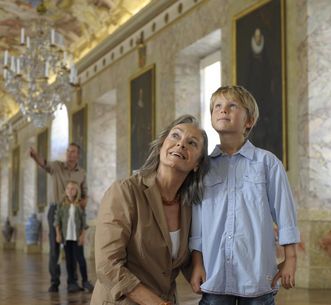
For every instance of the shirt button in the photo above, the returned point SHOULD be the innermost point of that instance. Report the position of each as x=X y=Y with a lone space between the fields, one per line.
x=230 y=236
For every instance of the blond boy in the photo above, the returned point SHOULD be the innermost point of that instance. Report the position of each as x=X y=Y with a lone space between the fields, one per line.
x=246 y=192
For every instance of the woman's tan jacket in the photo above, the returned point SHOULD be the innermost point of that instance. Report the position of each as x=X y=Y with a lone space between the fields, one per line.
x=132 y=242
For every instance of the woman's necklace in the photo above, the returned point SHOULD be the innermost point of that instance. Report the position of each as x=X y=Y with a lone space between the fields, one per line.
x=170 y=202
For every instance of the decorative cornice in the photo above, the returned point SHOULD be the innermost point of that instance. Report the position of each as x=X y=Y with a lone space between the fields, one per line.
x=137 y=21
x=146 y=23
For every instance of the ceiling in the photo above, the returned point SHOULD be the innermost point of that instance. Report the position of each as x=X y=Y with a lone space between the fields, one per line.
x=83 y=24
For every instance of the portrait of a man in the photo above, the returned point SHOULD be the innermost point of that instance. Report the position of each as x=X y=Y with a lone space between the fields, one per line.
x=42 y=148
x=142 y=116
x=15 y=180
x=260 y=67
x=79 y=133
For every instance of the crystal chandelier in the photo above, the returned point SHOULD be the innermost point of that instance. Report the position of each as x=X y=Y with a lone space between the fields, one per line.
x=43 y=75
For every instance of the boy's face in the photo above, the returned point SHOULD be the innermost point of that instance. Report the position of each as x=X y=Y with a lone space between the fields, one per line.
x=71 y=191
x=229 y=117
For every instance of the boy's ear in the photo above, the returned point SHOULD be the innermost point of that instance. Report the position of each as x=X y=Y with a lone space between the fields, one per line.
x=249 y=123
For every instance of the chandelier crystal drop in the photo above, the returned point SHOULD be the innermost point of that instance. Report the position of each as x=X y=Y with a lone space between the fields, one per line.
x=42 y=76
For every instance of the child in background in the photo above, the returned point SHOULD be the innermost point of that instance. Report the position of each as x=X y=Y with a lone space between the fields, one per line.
x=70 y=224
x=246 y=192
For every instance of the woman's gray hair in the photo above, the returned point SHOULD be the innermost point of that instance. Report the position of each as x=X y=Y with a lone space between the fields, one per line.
x=191 y=191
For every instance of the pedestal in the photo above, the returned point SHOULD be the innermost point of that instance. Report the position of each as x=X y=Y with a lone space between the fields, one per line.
x=8 y=245
x=31 y=249
x=314 y=264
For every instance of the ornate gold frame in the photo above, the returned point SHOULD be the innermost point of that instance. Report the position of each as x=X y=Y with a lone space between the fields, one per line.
x=147 y=72
x=80 y=115
x=15 y=181
x=41 y=178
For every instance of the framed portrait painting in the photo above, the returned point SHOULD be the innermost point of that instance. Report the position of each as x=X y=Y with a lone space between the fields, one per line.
x=259 y=66
x=15 y=191
x=142 y=104
x=79 y=133
x=42 y=149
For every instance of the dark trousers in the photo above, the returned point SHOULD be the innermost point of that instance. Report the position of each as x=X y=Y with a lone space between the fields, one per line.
x=75 y=253
x=222 y=299
x=54 y=248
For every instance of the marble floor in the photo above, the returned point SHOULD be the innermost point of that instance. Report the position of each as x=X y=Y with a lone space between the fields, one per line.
x=24 y=281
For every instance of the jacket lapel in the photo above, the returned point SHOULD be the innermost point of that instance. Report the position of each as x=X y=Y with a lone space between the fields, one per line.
x=155 y=202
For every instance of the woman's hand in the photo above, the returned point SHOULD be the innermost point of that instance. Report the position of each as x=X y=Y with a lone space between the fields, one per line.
x=143 y=295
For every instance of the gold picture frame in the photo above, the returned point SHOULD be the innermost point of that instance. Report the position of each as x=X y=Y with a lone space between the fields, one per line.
x=259 y=65
x=15 y=185
x=78 y=133
x=142 y=115
x=42 y=149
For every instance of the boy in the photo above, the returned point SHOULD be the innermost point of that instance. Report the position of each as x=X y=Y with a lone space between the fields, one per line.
x=246 y=191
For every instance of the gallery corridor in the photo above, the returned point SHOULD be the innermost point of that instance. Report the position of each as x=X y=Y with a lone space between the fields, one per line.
x=24 y=280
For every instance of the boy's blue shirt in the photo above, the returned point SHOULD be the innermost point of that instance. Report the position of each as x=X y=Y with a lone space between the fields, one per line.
x=233 y=226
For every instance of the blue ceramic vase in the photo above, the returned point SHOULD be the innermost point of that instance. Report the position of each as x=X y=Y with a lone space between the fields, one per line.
x=32 y=230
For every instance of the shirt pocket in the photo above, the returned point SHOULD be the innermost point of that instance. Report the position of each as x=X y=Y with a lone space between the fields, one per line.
x=256 y=178
x=214 y=186
x=252 y=184
x=254 y=173
x=211 y=181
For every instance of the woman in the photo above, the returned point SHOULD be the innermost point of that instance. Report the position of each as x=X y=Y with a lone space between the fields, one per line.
x=143 y=223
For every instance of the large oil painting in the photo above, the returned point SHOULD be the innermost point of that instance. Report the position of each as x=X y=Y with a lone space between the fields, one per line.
x=259 y=66
x=79 y=133
x=15 y=180
x=42 y=149
x=142 y=95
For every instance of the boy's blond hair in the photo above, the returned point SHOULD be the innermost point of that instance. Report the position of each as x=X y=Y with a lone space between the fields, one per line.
x=77 y=198
x=244 y=97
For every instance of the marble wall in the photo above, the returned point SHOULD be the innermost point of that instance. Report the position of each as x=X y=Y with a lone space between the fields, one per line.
x=314 y=155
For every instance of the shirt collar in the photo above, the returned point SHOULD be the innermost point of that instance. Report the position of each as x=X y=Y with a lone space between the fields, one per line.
x=247 y=151
x=76 y=168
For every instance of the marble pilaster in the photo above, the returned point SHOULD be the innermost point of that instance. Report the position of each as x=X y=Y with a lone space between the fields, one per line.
x=314 y=150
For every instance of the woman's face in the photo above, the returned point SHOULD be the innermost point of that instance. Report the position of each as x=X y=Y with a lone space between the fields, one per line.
x=182 y=148
x=71 y=191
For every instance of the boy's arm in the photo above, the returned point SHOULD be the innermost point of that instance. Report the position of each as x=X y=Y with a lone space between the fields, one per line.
x=198 y=273
x=282 y=206
x=287 y=268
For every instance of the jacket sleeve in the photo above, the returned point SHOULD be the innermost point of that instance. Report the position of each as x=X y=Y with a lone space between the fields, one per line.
x=58 y=215
x=113 y=231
